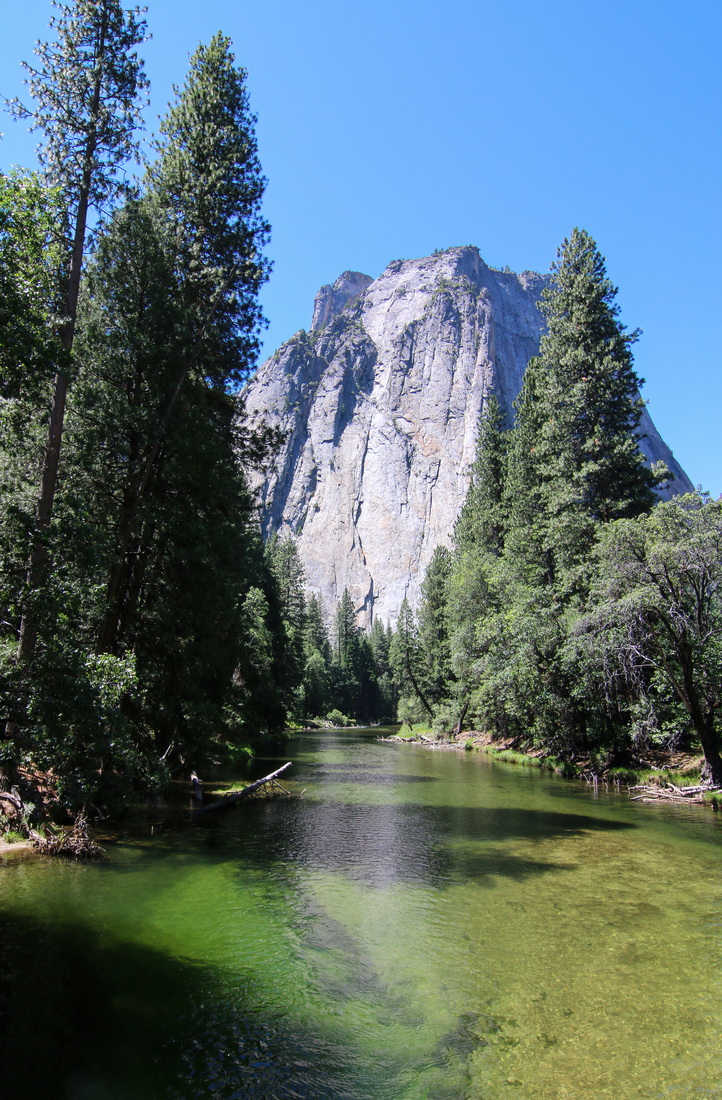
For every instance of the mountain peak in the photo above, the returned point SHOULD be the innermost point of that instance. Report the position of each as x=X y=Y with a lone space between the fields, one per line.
x=333 y=298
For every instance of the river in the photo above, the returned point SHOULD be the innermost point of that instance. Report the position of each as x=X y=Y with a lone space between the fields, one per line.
x=418 y=924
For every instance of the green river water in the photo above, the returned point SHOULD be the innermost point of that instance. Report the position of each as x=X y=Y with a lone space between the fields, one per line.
x=419 y=924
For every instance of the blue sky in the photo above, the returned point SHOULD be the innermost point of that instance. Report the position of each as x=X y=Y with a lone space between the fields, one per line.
x=389 y=129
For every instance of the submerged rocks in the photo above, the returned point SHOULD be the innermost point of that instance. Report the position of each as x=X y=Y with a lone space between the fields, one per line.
x=380 y=403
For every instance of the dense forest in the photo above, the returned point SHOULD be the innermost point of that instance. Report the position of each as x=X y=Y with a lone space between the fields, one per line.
x=144 y=626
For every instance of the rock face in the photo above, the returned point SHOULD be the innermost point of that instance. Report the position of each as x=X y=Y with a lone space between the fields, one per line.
x=330 y=300
x=380 y=402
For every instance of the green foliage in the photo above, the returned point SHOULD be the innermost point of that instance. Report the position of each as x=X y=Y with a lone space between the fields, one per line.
x=472 y=586
x=317 y=661
x=510 y=756
x=656 y=621
x=543 y=526
x=433 y=630
x=287 y=570
x=208 y=185
x=88 y=93
x=159 y=628
x=336 y=718
x=482 y=521
x=29 y=260
x=29 y=263
x=575 y=459
x=405 y=658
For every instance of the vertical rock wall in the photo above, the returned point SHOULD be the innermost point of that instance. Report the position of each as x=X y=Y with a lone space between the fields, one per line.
x=380 y=403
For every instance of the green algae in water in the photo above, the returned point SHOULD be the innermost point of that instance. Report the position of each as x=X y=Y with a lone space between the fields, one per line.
x=419 y=924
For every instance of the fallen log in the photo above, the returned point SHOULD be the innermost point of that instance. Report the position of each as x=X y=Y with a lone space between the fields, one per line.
x=238 y=796
x=671 y=793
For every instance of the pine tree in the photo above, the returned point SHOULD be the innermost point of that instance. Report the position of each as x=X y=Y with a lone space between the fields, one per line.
x=88 y=96
x=407 y=660
x=173 y=590
x=29 y=261
x=315 y=633
x=380 y=641
x=538 y=498
x=580 y=414
x=29 y=265
x=433 y=631
x=527 y=520
x=317 y=662
x=574 y=466
x=155 y=447
x=288 y=572
x=345 y=630
x=482 y=521
x=479 y=536
x=208 y=185
x=353 y=674
x=204 y=195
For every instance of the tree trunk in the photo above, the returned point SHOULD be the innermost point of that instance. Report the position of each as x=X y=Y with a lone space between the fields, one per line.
x=702 y=719
x=43 y=512
x=239 y=796
x=462 y=716
x=417 y=689
x=712 y=770
x=44 y=509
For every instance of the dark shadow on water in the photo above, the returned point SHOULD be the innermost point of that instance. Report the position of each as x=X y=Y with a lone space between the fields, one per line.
x=379 y=843
x=84 y=1017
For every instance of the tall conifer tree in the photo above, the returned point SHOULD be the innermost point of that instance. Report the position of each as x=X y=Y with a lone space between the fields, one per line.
x=434 y=627
x=208 y=185
x=205 y=191
x=576 y=445
x=88 y=92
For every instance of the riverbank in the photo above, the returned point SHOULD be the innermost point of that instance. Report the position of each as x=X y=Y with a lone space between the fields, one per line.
x=650 y=767
x=15 y=846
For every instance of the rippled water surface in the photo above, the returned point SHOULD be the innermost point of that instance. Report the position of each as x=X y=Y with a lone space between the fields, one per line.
x=417 y=924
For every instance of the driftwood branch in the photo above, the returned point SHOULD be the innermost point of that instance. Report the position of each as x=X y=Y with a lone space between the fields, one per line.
x=238 y=796
x=670 y=793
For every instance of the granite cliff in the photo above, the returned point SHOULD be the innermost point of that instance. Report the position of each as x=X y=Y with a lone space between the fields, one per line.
x=380 y=402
